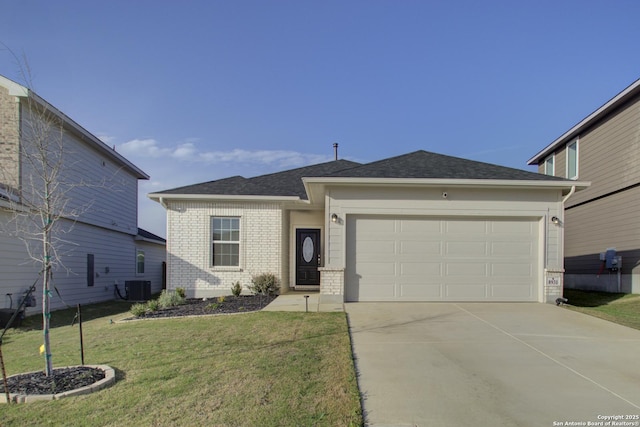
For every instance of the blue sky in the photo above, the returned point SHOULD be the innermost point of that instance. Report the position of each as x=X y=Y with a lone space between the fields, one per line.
x=193 y=91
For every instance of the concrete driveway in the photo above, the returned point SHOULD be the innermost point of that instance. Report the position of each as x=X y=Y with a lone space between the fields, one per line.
x=493 y=364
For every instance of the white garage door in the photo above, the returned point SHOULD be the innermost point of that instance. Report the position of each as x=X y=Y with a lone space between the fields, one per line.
x=441 y=259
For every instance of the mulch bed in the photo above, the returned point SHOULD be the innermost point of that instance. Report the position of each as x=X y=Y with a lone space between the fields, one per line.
x=67 y=379
x=61 y=380
x=225 y=305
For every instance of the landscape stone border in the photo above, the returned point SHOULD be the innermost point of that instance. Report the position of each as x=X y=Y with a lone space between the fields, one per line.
x=108 y=380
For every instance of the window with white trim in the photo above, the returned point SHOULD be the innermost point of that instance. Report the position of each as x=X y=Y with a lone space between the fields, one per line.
x=572 y=160
x=139 y=261
x=225 y=241
x=548 y=165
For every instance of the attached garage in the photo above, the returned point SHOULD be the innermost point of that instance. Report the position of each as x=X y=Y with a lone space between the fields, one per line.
x=442 y=258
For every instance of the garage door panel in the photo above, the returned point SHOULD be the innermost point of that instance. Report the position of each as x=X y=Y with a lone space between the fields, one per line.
x=512 y=270
x=421 y=227
x=476 y=227
x=441 y=259
x=365 y=248
x=424 y=248
x=409 y=292
x=466 y=269
x=512 y=249
x=466 y=249
x=466 y=291
x=422 y=271
x=522 y=228
x=377 y=269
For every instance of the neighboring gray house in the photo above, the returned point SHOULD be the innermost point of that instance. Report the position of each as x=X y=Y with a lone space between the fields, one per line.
x=417 y=227
x=105 y=247
x=602 y=231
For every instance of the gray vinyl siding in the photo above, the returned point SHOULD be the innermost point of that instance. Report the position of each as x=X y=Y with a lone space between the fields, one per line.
x=113 y=250
x=102 y=194
x=609 y=155
x=154 y=256
x=593 y=227
x=606 y=214
x=99 y=191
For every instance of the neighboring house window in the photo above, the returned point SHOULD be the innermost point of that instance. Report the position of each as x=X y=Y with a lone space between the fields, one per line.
x=90 y=269
x=139 y=262
x=548 y=165
x=225 y=233
x=572 y=160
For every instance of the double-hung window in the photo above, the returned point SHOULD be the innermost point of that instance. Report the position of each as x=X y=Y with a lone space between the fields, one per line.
x=548 y=165
x=572 y=160
x=225 y=247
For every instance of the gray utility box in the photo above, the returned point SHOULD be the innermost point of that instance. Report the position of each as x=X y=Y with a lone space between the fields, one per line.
x=138 y=290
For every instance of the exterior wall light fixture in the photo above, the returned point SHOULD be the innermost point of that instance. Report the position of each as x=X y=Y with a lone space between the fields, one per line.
x=555 y=220
x=334 y=217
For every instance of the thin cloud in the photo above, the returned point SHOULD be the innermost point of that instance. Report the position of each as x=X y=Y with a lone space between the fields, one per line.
x=189 y=152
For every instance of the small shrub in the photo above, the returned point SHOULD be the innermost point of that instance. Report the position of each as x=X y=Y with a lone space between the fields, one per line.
x=138 y=309
x=153 y=305
x=170 y=299
x=236 y=289
x=213 y=306
x=265 y=284
x=221 y=299
x=181 y=292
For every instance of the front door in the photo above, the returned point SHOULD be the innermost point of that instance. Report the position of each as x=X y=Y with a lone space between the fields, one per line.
x=307 y=256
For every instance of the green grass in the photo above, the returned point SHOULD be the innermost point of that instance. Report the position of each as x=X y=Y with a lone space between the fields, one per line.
x=623 y=309
x=265 y=368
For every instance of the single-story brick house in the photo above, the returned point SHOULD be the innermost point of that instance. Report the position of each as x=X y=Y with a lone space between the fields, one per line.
x=417 y=227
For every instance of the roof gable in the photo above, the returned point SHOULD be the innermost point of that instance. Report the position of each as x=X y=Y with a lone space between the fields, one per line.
x=286 y=183
x=417 y=165
x=425 y=165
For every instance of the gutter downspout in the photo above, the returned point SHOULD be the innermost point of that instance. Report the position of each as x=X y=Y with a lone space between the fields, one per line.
x=164 y=205
x=573 y=190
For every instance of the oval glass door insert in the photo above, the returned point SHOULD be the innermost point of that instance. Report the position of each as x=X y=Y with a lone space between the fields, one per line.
x=307 y=249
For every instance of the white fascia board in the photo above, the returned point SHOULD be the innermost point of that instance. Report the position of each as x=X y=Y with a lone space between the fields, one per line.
x=577 y=129
x=222 y=197
x=315 y=187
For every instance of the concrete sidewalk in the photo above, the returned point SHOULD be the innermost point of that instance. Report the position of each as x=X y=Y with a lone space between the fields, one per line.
x=296 y=301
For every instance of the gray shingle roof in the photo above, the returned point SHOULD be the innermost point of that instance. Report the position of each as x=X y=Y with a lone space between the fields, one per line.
x=148 y=235
x=286 y=183
x=419 y=164
x=423 y=164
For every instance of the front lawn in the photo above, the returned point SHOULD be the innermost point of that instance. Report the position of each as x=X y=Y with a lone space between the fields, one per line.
x=253 y=369
x=623 y=309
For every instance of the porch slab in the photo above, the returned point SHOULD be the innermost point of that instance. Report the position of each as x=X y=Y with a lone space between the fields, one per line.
x=302 y=301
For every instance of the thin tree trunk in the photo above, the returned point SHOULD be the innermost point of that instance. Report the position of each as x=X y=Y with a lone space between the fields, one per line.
x=46 y=316
x=46 y=284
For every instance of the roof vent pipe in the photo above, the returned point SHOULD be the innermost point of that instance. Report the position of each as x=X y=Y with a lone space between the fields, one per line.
x=335 y=149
